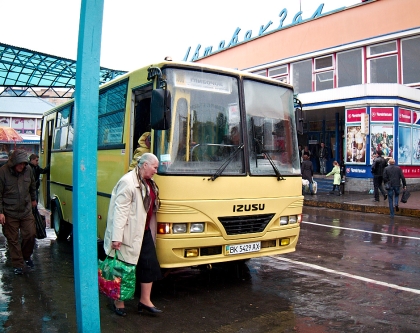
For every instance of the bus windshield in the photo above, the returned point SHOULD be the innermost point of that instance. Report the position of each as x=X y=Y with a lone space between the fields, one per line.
x=271 y=129
x=207 y=136
x=205 y=127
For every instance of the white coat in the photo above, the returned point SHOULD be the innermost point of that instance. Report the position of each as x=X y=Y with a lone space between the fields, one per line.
x=127 y=219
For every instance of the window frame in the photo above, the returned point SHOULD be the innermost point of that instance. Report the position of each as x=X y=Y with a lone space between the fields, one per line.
x=362 y=62
x=401 y=54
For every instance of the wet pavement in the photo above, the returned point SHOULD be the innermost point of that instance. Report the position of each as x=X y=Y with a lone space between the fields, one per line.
x=270 y=294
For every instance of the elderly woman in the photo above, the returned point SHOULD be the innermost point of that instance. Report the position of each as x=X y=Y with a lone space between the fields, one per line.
x=131 y=228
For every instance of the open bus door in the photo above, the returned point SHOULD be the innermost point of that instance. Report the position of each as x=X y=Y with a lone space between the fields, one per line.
x=45 y=153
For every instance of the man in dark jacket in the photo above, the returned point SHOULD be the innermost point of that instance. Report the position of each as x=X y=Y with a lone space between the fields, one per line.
x=378 y=166
x=394 y=176
x=17 y=197
x=37 y=171
x=323 y=157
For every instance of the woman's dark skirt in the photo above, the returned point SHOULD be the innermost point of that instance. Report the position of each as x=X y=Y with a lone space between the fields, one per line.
x=148 y=268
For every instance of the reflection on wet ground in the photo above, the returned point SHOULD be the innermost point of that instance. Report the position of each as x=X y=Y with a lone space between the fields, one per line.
x=264 y=295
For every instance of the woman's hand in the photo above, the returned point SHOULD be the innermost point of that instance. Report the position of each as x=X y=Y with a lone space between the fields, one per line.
x=116 y=245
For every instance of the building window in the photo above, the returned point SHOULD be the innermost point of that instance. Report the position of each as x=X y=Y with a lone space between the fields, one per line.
x=349 y=68
x=280 y=73
x=38 y=126
x=324 y=73
x=302 y=76
x=382 y=49
x=410 y=49
x=323 y=63
x=4 y=121
x=383 y=70
x=324 y=80
x=382 y=64
x=24 y=125
x=261 y=72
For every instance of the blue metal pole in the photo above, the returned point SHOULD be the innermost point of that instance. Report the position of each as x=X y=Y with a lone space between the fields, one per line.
x=85 y=166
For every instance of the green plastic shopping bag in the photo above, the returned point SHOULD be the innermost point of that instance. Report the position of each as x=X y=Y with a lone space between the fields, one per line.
x=116 y=278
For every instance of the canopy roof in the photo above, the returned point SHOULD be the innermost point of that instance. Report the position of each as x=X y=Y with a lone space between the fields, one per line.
x=8 y=134
x=28 y=69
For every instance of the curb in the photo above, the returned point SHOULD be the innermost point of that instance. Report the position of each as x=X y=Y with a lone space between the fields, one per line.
x=361 y=208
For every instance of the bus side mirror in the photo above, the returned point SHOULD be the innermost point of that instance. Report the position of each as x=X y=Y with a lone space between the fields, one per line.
x=160 y=109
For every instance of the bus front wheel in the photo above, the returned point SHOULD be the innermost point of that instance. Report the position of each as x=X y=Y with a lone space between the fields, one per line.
x=62 y=228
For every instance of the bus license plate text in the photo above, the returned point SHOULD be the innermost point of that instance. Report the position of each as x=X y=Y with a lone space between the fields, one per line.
x=243 y=248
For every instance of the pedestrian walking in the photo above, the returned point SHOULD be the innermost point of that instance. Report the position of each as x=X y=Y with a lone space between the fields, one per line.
x=393 y=176
x=378 y=166
x=37 y=171
x=307 y=171
x=306 y=152
x=17 y=197
x=323 y=157
x=131 y=228
x=337 y=177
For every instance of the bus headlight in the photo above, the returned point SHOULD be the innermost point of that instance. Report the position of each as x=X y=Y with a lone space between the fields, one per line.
x=293 y=219
x=179 y=228
x=197 y=227
x=284 y=220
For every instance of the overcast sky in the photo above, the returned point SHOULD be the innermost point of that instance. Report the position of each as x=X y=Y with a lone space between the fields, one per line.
x=136 y=33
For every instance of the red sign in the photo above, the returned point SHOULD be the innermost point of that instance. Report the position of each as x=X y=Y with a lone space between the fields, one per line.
x=382 y=114
x=354 y=115
x=404 y=116
x=410 y=171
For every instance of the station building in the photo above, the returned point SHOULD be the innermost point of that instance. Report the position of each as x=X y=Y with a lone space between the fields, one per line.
x=356 y=71
x=21 y=111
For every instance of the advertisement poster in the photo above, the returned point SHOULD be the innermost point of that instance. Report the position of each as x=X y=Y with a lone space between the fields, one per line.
x=381 y=138
x=416 y=146
x=404 y=145
x=356 y=145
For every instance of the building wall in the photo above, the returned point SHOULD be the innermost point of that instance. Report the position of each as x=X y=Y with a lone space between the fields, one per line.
x=355 y=23
x=358 y=26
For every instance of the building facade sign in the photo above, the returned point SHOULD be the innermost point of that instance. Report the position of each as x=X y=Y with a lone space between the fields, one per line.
x=354 y=115
x=404 y=116
x=248 y=35
x=382 y=114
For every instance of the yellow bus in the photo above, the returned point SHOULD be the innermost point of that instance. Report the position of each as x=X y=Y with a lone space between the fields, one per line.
x=229 y=171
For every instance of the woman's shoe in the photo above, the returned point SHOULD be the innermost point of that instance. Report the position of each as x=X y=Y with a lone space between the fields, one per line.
x=120 y=311
x=151 y=309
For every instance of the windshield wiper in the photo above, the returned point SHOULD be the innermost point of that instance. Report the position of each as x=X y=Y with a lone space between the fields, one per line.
x=225 y=163
x=277 y=172
x=267 y=155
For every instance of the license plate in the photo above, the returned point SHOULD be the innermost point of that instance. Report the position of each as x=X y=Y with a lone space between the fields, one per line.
x=243 y=248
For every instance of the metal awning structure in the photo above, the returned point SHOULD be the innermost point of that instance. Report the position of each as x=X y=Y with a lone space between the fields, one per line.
x=28 y=69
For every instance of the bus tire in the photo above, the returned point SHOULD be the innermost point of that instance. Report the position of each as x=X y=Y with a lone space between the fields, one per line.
x=62 y=228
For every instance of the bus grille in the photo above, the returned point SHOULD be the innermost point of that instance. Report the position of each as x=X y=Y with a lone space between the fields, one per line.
x=248 y=224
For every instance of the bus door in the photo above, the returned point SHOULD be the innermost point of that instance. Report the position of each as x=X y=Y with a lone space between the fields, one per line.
x=141 y=117
x=47 y=138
